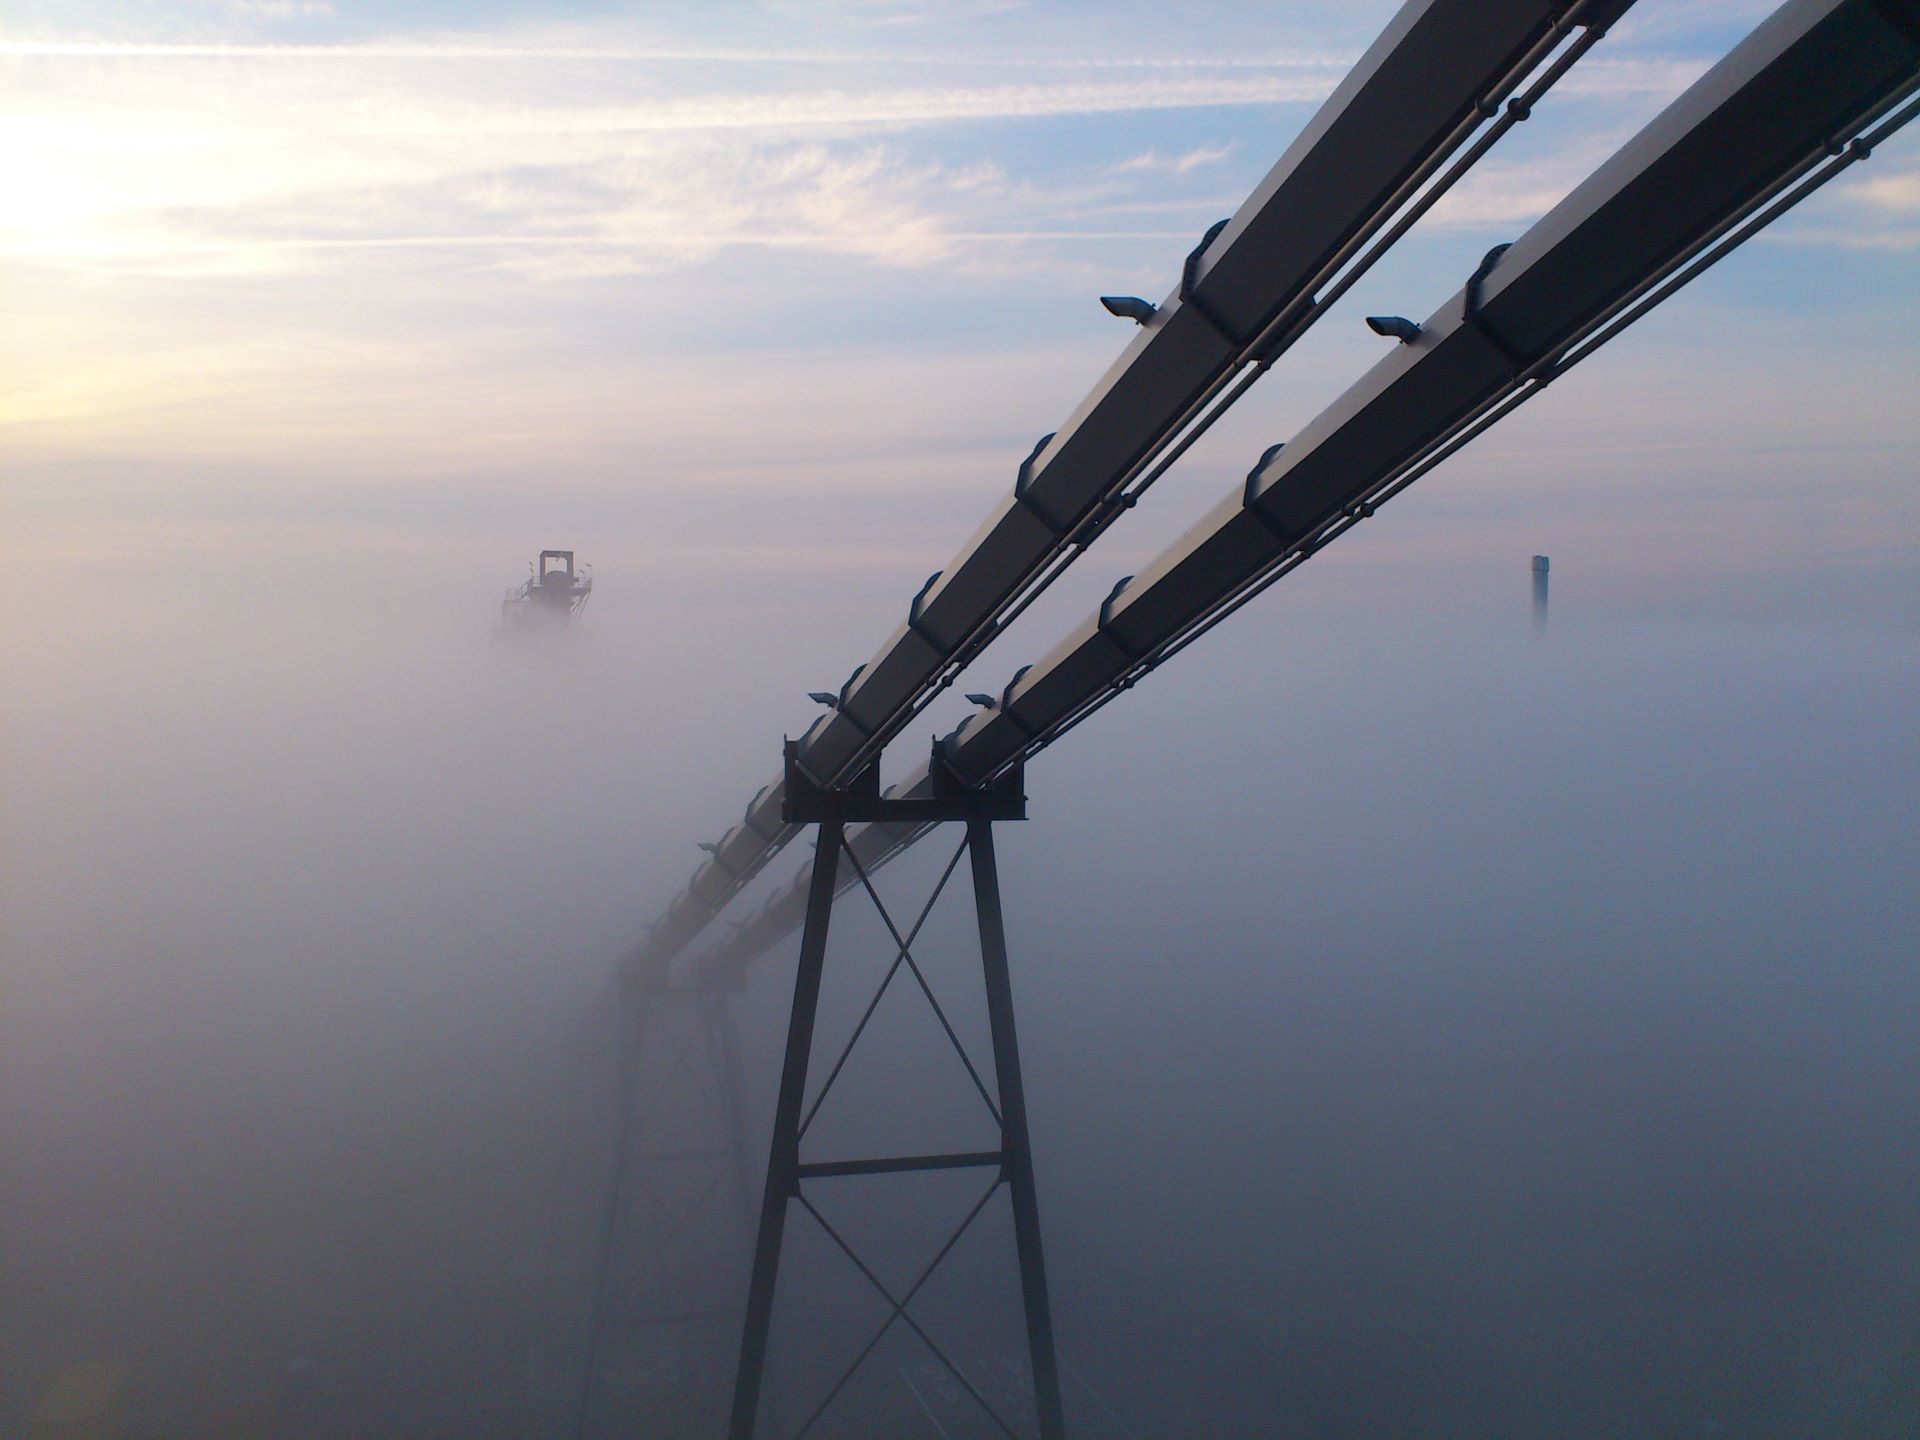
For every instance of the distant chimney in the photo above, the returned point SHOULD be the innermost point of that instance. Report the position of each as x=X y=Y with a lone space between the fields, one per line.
x=1540 y=594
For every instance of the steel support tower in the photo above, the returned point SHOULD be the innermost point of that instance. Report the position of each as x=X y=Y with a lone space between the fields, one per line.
x=807 y=802
x=675 y=1222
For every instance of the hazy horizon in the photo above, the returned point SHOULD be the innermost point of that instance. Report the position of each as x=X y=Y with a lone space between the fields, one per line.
x=1430 y=1027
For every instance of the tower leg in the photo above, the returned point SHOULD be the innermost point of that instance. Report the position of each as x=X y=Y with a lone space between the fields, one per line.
x=783 y=1160
x=632 y=1026
x=726 y=1063
x=1014 y=1144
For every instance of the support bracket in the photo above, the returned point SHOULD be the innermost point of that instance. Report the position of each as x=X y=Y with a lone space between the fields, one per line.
x=807 y=802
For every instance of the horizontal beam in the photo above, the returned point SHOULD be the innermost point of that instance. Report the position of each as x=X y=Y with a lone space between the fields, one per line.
x=909 y=810
x=898 y=1164
x=805 y=802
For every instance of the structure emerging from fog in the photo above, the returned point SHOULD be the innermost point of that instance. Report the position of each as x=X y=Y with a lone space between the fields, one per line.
x=552 y=594
x=1810 y=93
x=1540 y=592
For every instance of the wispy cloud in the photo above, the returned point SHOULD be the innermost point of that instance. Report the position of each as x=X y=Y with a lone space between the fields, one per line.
x=544 y=49
x=319 y=290
x=644 y=207
x=273 y=167
x=1895 y=194
x=1881 y=211
x=1504 y=192
x=836 y=110
x=1151 y=160
x=281 y=9
x=1629 y=75
x=1681 y=19
x=294 y=157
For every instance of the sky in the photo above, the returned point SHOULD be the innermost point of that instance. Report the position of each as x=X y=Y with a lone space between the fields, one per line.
x=321 y=320
x=429 y=276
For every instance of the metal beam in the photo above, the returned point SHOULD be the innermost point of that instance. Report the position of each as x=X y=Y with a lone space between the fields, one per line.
x=1783 y=101
x=1015 y=1143
x=1368 y=162
x=783 y=1167
x=901 y=1164
x=1809 y=93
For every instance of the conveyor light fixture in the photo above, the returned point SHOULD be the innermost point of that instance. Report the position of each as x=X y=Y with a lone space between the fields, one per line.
x=1397 y=326
x=1130 y=307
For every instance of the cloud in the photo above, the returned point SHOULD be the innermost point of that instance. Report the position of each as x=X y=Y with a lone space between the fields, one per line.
x=1891 y=238
x=559 y=151
x=1626 y=75
x=640 y=208
x=1687 y=19
x=835 y=110
x=265 y=166
x=1517 y=192
x=563 y=46
x=281 y=9
x=1895 y=194
x=1150 y=160
x=193 y=371
x=1881 y=213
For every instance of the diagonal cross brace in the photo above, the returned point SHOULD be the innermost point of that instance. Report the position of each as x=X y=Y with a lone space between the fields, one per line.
x=925 y=989
x=899 y=1312
x=892 y=970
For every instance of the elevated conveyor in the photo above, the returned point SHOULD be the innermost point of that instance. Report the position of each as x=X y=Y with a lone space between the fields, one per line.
x=1365 y=167
x=1810 y=93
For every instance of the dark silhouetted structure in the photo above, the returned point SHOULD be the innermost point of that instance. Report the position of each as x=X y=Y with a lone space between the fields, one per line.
x=552 y=595
x=677 y=1217
x=1809 y=94
x=809 y=803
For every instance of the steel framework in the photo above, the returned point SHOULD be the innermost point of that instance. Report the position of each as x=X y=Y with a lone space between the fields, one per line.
x=1809 y=94
x=675 y=1222
x=808 y=803
x=1443 y=82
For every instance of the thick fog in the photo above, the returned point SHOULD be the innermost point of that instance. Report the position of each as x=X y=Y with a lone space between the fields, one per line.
x=1429 y=1027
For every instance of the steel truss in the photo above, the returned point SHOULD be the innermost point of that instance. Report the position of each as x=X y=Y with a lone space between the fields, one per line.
x=1444 y=81
x=1809 y=94
x=665 y=1306
x=808 y=803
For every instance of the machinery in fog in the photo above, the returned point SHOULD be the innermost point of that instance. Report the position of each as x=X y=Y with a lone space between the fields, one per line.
x=552 y=594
